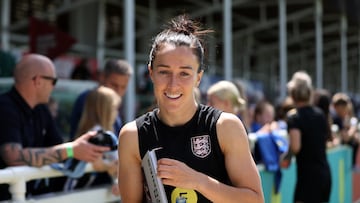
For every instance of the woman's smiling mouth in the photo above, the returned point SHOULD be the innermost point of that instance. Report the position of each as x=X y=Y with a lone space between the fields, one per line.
x=172 y=96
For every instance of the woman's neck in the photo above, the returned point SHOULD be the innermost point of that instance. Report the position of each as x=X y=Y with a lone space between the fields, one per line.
x=177 y=118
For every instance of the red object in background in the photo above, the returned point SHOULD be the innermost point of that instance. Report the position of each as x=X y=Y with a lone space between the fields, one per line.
x=48 y=40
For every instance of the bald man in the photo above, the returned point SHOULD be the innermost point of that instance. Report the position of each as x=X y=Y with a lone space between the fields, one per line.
x=28 y=135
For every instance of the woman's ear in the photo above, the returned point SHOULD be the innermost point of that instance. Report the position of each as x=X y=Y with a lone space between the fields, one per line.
x=198 y=79
x=150 y=72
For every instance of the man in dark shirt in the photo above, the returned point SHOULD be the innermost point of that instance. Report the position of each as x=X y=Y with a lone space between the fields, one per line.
x=28 y=134
x=116 y=75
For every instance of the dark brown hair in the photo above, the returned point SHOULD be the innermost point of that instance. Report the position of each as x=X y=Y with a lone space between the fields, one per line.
x=181 y=31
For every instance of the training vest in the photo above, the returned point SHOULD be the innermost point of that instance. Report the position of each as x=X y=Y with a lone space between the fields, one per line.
x=195 y=143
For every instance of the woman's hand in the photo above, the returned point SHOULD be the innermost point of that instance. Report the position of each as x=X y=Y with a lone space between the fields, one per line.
x=178 y=174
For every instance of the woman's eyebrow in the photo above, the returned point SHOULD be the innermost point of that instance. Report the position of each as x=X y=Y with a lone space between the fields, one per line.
x=181 y=67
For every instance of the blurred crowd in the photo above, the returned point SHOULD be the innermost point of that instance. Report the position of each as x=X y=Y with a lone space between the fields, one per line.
x=101 y=108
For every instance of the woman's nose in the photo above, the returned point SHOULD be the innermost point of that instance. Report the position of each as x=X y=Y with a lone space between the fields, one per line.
x=173 y=80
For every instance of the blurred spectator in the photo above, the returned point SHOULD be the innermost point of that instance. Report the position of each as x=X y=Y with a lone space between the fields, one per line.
x=81 y=71
x=281 y=111
x=100 y=112
x=224 y=96
x=270 y=143
x=29 y=136
x=264 y=115
x=347 y=123
x=322 y=99
x=116 y=75
x=308 y=132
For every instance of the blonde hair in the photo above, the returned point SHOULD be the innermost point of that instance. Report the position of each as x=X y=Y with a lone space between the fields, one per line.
x=300 y=87
x=226 y=90
x=100 y=109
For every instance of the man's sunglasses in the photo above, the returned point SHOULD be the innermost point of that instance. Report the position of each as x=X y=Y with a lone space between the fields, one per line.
x=54 y=80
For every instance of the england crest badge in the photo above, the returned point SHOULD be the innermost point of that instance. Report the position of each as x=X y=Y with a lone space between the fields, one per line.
x=201 y=146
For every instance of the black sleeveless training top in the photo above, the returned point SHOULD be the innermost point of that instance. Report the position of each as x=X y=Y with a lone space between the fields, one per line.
x=194 y=143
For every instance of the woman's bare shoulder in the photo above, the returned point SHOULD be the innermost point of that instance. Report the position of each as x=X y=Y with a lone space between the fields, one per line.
x=229 y=119
x=128 y=141
x=129 y=128
x=128 y=132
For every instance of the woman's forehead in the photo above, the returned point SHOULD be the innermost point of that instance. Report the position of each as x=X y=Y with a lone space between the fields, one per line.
x=172 y=48
x=178 y=56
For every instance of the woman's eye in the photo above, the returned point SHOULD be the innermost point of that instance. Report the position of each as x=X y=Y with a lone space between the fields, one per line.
x=184 y=74
x=163 y=72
